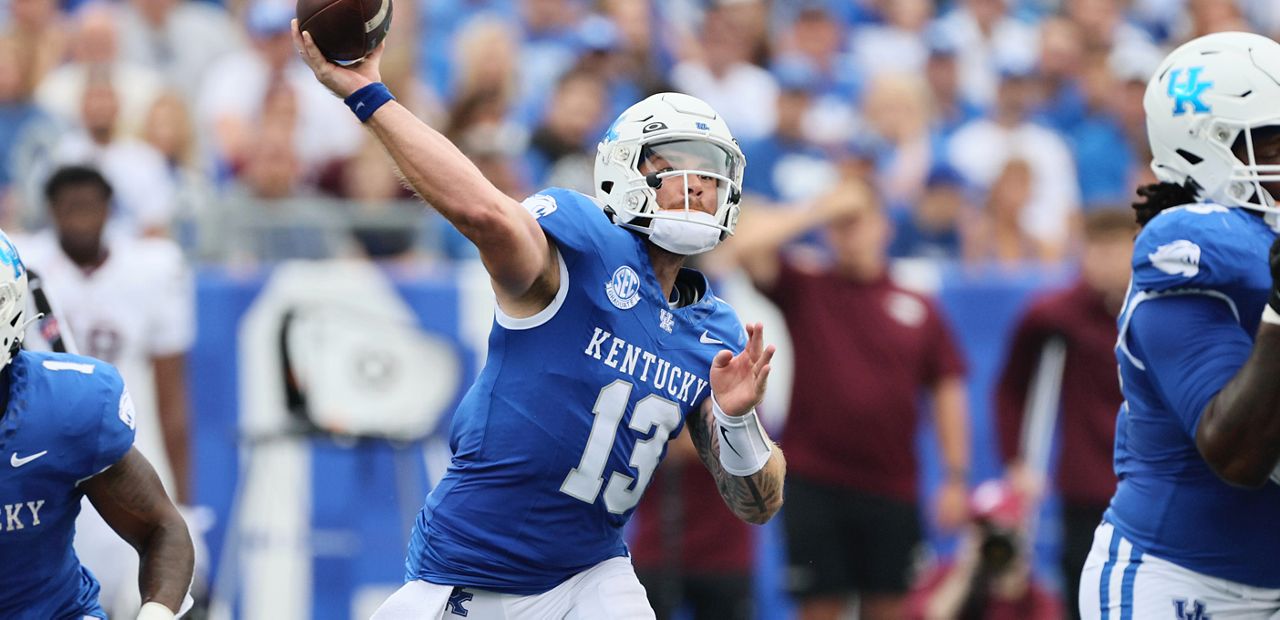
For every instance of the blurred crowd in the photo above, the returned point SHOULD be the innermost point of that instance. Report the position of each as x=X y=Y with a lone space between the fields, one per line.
x=988 y=127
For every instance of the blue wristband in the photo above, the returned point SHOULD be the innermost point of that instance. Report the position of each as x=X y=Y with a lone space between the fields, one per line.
x=368 y=99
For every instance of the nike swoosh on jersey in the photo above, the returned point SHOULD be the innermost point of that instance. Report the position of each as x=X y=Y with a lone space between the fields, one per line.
x=17 y=461
x=706 y=339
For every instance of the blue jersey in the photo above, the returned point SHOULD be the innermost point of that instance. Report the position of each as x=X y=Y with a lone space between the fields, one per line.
x=68 y=418
x=557 y=439
x=1200 y=282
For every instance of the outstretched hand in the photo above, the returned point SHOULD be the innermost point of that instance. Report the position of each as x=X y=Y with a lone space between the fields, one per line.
x=342 y=81
x=738 y=381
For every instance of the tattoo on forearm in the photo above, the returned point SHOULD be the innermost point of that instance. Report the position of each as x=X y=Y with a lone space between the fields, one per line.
x=753 y=498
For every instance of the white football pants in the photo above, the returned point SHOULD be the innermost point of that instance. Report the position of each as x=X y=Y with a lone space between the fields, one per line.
x=1122 y=583
x=607 y=591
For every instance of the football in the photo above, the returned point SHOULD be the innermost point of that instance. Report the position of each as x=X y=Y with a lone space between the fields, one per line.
x=345 y=30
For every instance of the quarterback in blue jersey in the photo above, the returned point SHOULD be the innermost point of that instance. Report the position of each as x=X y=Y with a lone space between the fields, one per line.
x=67 y=426
x=603 y=348
x=1191 y=531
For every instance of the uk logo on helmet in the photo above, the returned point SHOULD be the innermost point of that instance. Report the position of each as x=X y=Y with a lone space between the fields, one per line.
x=9 y=256
x=1188 y=92
x=623 y=289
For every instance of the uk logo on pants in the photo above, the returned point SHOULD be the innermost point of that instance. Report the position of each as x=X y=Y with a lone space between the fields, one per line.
x=456 y=600
x=1193 y=611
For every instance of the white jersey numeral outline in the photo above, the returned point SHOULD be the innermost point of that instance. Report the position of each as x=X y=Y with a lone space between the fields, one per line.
x=652 y=412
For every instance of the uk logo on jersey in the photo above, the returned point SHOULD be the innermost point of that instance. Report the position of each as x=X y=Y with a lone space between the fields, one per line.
x=540 y=205
x=666 y=320
x=1188 y=92
x=1182 y=257
x=127 y=414
x=623 y=289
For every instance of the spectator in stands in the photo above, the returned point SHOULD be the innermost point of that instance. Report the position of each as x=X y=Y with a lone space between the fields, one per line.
x=263 y=220
x=1081 y=317
x=951 y=110
x=95 y=49
x=21 y=121
x=178 y=39
x=548 y=48
x=642 y=49
x=1099 y=145
x=997 y=235
x=1131 y=72
x=628 y=76
x=1209 y=16
x=383 y=227
x=41 y=39
x=272 y=170
x=486 y=60
x=896 y=109
x=853 y=520
x=932 y=227
x=1061 y=58
x=1105 y=29
x=990 y=577
x=232 y=96
x=169 y=131
x=143 y=188
x=443 y=23
x=562 y=148
x=716 y=68
x=689 y=550
x=899 y=44
x=400 y=68
x=815 y=37
x=982 y=34
x=786 y=165
x=981 y=149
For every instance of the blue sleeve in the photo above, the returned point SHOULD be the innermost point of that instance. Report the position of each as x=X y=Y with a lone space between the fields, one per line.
x=1196 y=246
x=574 y=221
x=1192 y=346
x=116 y=421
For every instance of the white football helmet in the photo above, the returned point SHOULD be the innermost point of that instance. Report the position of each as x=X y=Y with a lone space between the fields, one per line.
x=13 y=300
x=688 y=130
x=1206 y=95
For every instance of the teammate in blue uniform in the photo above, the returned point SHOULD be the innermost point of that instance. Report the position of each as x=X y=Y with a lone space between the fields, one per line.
x=603 y=348
x=1191 y=531
x=67 y=426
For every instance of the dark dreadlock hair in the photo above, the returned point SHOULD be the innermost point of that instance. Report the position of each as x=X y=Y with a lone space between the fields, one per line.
x=1157 y=197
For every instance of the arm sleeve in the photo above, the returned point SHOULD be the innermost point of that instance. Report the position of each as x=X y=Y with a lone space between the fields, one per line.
x=1192 y=346
x=1011 y=390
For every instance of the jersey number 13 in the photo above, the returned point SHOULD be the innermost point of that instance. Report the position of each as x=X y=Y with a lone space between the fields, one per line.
x=584 y=481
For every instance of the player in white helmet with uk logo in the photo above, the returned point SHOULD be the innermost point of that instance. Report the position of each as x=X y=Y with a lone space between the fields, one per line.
x=603 y=348
x=1191 y=531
